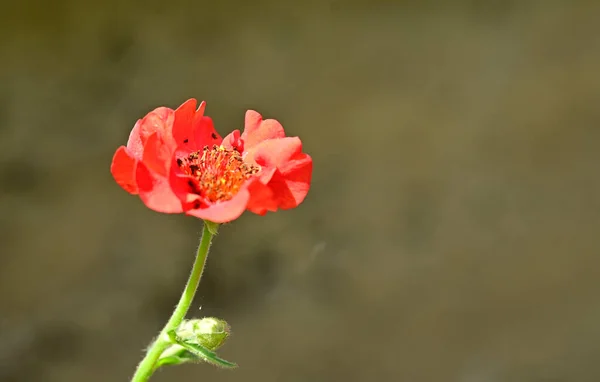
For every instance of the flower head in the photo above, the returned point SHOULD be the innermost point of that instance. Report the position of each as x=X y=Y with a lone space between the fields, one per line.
x=177 y=163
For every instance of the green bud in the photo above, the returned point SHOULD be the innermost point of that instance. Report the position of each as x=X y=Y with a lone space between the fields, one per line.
x=209 y=332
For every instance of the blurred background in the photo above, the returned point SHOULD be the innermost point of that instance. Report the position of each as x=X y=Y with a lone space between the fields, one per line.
x=451 y=232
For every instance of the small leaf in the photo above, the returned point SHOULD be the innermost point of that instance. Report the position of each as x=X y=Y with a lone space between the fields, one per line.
x=172 y=360
x=213 y=228
x=201 y=352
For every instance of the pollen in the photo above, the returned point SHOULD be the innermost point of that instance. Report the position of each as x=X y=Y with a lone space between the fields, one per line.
x=219 y=172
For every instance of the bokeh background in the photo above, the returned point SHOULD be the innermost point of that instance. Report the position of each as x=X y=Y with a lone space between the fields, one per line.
x=452 y=228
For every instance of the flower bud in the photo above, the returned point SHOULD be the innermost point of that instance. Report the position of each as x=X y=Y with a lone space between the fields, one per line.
x=209 y=332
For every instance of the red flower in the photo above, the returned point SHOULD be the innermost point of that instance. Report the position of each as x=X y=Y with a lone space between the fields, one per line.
x=177 y=163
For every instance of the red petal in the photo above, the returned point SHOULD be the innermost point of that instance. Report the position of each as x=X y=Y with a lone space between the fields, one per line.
x=183 y=122
x=192 y=130
x=290 y=190
x=123 y=170
x=291 y=180
x=261 y=198
x=223 y=212
x=155 y=191
x=158 y=155
x=233 y=141
x=184 y=186
x=134 y=143
x=160 y=121
x=205 y=133
x=256 y=130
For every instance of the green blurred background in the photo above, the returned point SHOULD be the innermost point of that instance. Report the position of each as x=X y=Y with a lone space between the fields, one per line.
x=451 y=232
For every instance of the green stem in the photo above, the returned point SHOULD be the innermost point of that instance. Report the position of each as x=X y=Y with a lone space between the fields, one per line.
x=146 y=368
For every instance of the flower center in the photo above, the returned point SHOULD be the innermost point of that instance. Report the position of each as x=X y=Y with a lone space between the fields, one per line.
x=219 y=172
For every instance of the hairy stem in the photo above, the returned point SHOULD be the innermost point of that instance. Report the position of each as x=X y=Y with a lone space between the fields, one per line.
x=146 y=368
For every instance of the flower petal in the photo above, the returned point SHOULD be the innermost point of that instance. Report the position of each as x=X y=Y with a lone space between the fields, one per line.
x=205 y=133
x=134 y=143
x=155 y=191
x=291 y=180
x=257 y=130
x=261 y=198
x=185 y=187
x=223 y=212
x=290 y=190
x=233 y=141
x=183 y=123
x=158 y=155
x=122 y=169
x=160 y=120
x=192 y=130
